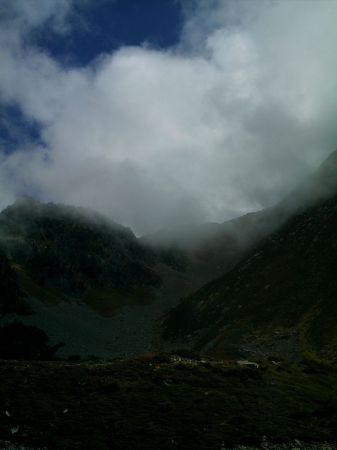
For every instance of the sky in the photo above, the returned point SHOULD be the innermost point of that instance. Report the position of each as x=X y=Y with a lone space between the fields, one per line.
x=162 y=113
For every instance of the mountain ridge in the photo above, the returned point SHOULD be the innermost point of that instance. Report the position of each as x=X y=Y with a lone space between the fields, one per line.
x=283 y=288
x=65 y=257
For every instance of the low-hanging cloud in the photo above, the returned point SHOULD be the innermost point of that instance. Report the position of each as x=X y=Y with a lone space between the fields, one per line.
x=226 y=122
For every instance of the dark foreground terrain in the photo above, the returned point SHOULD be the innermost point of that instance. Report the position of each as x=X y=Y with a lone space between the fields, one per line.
x=167 y=402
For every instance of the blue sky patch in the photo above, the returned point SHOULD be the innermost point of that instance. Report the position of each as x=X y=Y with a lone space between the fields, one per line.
x=105 y=26
x=16 y=130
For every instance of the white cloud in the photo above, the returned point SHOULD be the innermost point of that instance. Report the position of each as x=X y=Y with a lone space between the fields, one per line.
x=225 y=123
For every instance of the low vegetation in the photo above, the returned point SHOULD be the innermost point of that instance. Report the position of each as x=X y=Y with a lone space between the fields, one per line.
x=165 y=402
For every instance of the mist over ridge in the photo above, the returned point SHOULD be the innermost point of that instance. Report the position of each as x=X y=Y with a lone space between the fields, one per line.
x=223 y=123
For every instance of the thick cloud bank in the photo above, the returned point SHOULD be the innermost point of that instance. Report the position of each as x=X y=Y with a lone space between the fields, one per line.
x=224 y=123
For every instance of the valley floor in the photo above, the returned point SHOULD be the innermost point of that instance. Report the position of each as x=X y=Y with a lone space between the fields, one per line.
x=163 y=402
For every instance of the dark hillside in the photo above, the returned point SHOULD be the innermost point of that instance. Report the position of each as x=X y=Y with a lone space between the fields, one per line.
x=279 y=300
x=11 y=297
x=74 y=250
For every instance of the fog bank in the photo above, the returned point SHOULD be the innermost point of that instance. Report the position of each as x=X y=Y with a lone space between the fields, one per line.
x=226 y=122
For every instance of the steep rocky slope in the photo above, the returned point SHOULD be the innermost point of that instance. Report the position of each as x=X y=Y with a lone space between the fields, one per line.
x=88 y=281
x=280 y=299
x=72 y=249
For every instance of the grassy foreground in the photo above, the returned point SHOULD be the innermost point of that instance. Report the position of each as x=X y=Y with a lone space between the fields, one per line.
x=161 y=402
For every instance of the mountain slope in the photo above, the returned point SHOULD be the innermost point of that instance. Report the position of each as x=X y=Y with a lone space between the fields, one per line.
x=225 y=244
x=281 y=298
x=74 y=250
x=212 y=249
x=73 y=263
x=89 y=282
x=11 y=297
